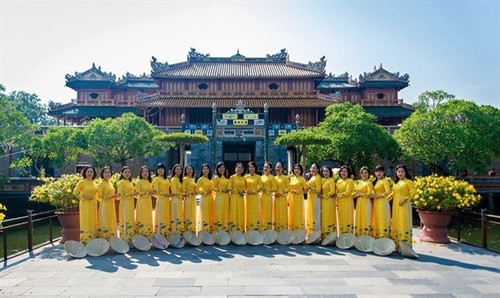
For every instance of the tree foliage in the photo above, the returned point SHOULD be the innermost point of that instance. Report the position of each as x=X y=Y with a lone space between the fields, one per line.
x=181 y=139
x=123 y=138
x=356 y=138
x=455 y=136
x=302 y=138
x=15 y=127
x=32 y=107
x=430 y=100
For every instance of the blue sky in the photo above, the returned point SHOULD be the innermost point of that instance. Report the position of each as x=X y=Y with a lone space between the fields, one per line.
x=449 y=45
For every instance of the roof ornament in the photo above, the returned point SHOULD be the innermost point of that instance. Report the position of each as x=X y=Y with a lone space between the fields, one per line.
x=238 y=56
x=157 y=66
x=194 y=55
x=279 y=56
x=319 y=66
x=240 y=108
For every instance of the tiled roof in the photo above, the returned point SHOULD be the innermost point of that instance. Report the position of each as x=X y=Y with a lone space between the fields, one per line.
x=139 y=84
x=237 y=69
x=229 y=103
x=93 y=111
x=334 y=85
x=389 y=111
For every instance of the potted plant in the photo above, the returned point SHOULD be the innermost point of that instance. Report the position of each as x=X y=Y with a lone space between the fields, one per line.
x=2 y=215
x=435 y=199
x=59 y=193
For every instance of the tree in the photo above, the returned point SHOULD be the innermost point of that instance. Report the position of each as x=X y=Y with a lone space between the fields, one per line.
x=58 y=145
x=356 y=138
x=455 y=136
x=32 y=107
x=430 y=100
x=302 y=138
x=123 y=138
x=15 y=127
x=182 y=139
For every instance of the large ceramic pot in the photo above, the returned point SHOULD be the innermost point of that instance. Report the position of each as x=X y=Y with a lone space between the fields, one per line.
x=435 y=226
x=70 y=222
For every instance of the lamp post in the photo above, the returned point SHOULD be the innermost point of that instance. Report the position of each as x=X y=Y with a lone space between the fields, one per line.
x=266 y=132
x=214 y=135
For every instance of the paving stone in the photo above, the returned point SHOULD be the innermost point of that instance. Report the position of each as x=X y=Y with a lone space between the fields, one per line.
x=173 y=282
x=222 y=290
x=409 y=289
x=179 y=291
x=139 y=291
x=45 y=291
x=272 y=290
x=334 y=290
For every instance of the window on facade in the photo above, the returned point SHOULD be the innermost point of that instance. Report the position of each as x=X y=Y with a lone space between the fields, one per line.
x=273 y=86
x=203 y=86
x=380 y=96
x=94 y=95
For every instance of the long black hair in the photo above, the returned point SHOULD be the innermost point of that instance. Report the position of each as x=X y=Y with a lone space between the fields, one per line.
x=121 y=173
x=84 y=170
x=407 y=175
x=378 y=168
x=220 y=164
x=161 y=166
x=149 y=173
x=173 y=172
x=349 y=174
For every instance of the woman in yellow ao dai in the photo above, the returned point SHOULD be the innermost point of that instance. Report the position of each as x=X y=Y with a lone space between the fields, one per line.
x=381 y=217
x=161 y=187
x=345 y=203
x=328 y=202
x=189 y=194
x=281 y=199
x=107 y=209
x=402 y=191
x=86 y=190
x=144 y=208
x=269 y=186
x=176 y=206
x=298 y=186
x=364 y=189
x=126 y=191
x=313 y=215
x=204 y=188
x=220 y=185
x=237 y=186
x=252 y=198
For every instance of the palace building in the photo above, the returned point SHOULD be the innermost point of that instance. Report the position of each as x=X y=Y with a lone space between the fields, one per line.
x=242 y=104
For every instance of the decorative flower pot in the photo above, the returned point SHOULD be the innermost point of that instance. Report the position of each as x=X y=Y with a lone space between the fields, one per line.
x=435 y=226
x=70 y=222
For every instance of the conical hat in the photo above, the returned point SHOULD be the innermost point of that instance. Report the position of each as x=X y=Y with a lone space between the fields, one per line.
x=75 y=249
x=97 y=247
x=254 y=237
x=345 y=241
x=407 y=251
x=299 y=237
x=238 y=238
x=364 y=243
x=269 y=236
x=313 y=238
x=159 y=241
x=285 y=237
x=191 y=238
x=383 y=246
x=330 y=239
x=206 y=238
x=175 y=240
x=141 y=243
x=221 y=237
x=119 y=245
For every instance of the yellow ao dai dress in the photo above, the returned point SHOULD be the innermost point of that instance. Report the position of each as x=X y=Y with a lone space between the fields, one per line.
x=345 y=205
x=176 y=206
x=107 y=210
x=328 y=207
x=296 y=200
x=86 y=190
x=144 y=209
x=281 y=202
x=381 y=217
x=401 y=223
x=127 y=209
x=236 y=185
x=189 y=193
x=221 y=206
x=161 y=186
x=204 y=188
x=269 y=186
x=313 y=215
x=363 y=219
x=252 y=202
